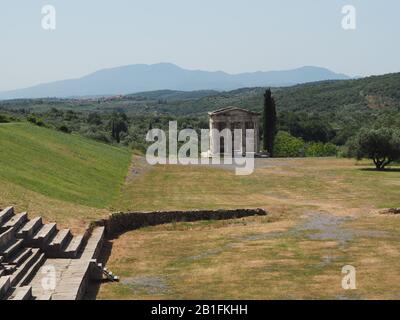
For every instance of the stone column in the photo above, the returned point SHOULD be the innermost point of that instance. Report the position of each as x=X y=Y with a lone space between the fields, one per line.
x=228 y=125
x=214 y=138
x=243 y=127
x=256 y=137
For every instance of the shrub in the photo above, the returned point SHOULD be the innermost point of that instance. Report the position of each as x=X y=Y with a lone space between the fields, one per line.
x=349 y=150
x=40 y=123
x=99 y=136
x=319 y=149
x=4 y=118
x=64 y=128
x=35 y=120
x=32 y=119
x=287 y=146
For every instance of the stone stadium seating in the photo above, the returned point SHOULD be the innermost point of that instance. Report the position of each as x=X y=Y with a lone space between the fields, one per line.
x=30 y=248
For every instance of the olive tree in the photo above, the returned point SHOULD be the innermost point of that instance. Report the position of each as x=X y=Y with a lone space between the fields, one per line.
x=380 y=145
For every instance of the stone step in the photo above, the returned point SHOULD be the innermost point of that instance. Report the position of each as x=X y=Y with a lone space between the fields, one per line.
x=60 y=240
x=21 y=256
x=44 y=297
x=13 y=248
x=6 y=214
x=2 y=272
x=94 y=244
x=9 y=268
x=16 y=221
x=5 y=238
x=21 y=271
x=21 y=293
x=30 y=228
x=42 y=237
x=73 y=248
x=5 y=285
x=33 y=270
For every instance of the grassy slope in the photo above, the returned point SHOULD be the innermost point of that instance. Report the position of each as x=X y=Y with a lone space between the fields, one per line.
x=39 y=166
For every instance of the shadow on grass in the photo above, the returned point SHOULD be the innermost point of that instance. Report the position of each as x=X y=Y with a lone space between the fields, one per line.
x=384 y=170
x=94 y=286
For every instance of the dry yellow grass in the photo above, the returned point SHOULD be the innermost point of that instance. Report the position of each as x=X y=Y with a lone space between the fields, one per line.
x=320 y=222
x=253 y=259
x=281 y=185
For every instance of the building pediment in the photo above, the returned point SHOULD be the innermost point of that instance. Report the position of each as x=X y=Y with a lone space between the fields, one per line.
x=233 y=118
x=233 y=111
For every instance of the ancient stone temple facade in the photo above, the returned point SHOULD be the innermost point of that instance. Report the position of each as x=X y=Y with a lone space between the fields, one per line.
x=234 y=118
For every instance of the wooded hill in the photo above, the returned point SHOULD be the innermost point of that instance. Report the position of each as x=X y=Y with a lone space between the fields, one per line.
x=323 y=111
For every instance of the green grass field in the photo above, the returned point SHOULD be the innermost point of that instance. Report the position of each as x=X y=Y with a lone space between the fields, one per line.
x=53 y=172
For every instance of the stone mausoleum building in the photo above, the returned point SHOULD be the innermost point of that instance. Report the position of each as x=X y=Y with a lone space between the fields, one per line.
x=234 y=118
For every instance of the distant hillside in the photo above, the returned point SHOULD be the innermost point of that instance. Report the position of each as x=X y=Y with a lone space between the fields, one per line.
x=323 y=111
x=60 y=166
x=162 y=76
x=170 y=95
x=372 y=93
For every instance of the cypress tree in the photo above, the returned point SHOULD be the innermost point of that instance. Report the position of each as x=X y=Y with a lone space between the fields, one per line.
x=269 y=122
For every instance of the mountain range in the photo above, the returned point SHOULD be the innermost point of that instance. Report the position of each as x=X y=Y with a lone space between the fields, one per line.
x=141 y=77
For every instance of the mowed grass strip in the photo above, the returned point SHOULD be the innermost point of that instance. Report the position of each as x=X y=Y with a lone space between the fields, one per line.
x=280 y=185
x=173 y=187
x=66 y=167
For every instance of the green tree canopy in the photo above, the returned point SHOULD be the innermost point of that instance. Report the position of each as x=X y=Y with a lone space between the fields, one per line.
x=288 y=146
x=118 y=125
x=381 y=145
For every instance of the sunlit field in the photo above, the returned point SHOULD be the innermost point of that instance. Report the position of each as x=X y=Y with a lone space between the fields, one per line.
x=323 y=216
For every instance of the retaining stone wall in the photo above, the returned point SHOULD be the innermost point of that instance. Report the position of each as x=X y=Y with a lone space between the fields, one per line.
x=118 y=223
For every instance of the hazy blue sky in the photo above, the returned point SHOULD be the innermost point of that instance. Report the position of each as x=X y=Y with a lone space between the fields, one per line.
x=229 y=35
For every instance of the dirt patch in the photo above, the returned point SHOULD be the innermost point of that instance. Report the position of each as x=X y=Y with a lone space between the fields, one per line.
x=326 y=261
x=151 y=285
x=138 y=167
x=325 y=226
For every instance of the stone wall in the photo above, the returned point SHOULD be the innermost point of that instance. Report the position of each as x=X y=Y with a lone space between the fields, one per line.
x=118 y=223
x=390 y=211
